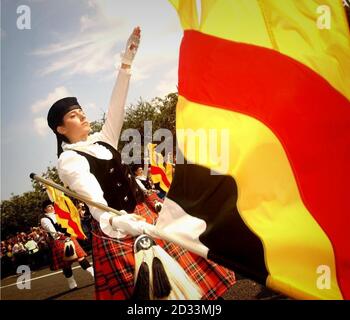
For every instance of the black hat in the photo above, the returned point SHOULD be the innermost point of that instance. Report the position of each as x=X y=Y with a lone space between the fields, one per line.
x=59 y=109
x=55 y=117
x=46 y=203
x=134 y=167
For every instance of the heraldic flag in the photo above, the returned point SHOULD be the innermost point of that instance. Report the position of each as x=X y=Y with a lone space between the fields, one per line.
x=67 y=214
x=160 y=174
x=276 y=77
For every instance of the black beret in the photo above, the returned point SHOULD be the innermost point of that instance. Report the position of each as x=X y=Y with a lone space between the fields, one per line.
x=134 y=167
x=59 y=109
x=46 y=203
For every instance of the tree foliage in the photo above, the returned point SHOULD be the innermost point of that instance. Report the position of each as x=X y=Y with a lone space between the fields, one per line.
x=50 y=174
x=96 y=126
x=161 y=113
x=21 y=212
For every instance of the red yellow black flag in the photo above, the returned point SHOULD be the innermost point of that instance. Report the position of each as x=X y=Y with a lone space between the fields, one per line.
x=274 y=74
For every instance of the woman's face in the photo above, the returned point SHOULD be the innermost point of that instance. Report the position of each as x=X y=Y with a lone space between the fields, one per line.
x=50 y=208
x=139 y=171
x=75 y=126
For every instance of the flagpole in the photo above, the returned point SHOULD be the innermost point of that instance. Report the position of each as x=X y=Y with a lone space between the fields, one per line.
x=74 y=194
x=150 y=229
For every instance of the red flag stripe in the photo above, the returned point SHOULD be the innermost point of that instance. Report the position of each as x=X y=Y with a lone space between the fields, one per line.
x=66 y=216
x=309 y=117
x=157 y=170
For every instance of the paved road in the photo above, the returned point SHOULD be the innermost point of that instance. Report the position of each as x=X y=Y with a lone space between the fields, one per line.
x=50 y=285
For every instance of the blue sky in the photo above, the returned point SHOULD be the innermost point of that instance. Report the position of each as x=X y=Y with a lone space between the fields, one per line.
x=71 y=50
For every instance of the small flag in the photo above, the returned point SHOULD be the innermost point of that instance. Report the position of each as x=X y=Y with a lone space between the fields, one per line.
x=67 y=214
x=160 y=174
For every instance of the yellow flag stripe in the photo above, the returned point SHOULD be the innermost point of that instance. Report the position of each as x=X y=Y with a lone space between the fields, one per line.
x=65 y=204
x=189 y=15
x=268 y=198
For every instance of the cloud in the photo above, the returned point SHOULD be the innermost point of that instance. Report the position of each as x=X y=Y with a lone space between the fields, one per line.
x=86 y=23
x=103 y=29
x=40 y=123
x=168 y=83
x=92 y=111
x=92 y=3
x=91 y=106
x=44 y=104
x=88 y=51
x=40 y=126
x=88 y=56
x=2 y=34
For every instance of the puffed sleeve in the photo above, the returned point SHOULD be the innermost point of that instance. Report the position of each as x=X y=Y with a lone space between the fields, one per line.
x=141 y=186
x=48 y=226
x=111 y=129
x=74 y=171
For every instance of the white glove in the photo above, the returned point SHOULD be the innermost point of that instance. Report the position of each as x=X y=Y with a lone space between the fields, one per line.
x=131 y=224
x=131 y=47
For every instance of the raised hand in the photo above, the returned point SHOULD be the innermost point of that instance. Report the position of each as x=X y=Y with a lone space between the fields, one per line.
x=131 y=47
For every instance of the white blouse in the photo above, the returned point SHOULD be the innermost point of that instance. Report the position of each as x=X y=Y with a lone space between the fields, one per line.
x=47 y=224
x=74 y=169
x=140 y=184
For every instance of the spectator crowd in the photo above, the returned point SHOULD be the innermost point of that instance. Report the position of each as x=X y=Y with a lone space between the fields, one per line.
x=29 y=248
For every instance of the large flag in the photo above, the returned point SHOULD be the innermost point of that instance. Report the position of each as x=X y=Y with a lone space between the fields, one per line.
x=67 y=214
x=272 y=78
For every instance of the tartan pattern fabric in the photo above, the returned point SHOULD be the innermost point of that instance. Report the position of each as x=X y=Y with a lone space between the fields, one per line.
x=150 y=201
x=57 y=253
x=114 y=263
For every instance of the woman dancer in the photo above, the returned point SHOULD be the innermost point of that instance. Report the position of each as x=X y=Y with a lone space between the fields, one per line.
x=92 y=166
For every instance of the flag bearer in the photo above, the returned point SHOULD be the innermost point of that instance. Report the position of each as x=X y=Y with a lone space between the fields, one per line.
x=64 y=250
x=91 y=166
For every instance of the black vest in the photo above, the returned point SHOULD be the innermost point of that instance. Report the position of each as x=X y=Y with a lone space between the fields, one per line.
x=146 y=183
x=119 y=187
x=57 y=226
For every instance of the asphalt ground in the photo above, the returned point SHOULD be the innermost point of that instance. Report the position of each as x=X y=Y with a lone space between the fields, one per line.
x=45 y=284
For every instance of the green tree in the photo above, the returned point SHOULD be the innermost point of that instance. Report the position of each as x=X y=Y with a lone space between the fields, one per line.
x=19 y=213
x=96 y=126
x=161 y=111
x=167 y=113
x=50 y=174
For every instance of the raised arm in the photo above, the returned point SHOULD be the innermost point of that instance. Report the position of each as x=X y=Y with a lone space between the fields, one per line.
x=115 y=115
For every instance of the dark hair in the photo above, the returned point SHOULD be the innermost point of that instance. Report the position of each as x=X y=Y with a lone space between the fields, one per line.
x=55 y=117
x=135 y=167
x=46 y=203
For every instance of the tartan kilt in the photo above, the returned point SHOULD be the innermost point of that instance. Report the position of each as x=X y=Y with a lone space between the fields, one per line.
x=57 y=253
x=114 y=263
